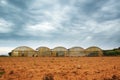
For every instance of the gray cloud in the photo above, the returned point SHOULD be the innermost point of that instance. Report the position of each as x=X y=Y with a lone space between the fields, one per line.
x=60 y=22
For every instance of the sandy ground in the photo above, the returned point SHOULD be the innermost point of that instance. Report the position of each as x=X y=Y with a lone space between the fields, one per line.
x=60 y=68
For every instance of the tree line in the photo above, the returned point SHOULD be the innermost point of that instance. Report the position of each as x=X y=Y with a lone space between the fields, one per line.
x=113 y=52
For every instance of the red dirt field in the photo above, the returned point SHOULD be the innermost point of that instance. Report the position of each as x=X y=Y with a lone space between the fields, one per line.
x=60 y=68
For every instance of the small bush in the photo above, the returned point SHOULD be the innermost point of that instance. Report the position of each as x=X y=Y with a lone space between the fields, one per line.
x=48 y=77
x=114 y=77
x=2 y=71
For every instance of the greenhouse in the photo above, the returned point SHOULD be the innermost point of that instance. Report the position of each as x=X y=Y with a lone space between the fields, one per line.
x=23 y=51
x=76 y=51
x=59 y=51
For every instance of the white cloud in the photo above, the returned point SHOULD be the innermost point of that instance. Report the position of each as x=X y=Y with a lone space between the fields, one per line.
x=39 y=29
x=42 y=27
x=54 y=14
x=37 y=4
x=5 y=26
x=106 y=26
x=47 y=20
x=5 y=50
x=111 y=6
x=3 y=2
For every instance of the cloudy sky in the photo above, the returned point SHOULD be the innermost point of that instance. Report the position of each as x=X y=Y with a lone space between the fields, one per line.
x=54 y=23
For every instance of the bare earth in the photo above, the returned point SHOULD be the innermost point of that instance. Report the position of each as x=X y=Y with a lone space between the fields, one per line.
x=60 y=68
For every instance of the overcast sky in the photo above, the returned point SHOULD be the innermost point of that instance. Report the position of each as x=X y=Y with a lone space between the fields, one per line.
x=54 y=23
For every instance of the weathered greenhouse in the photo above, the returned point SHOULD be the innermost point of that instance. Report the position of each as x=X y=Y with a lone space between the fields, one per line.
x=94 y=51
x=76 y=51
x=23 y=51
x=59 y=51
x=43 y=51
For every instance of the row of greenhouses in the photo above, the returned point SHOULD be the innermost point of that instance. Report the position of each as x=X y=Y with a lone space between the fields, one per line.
x=24 y=51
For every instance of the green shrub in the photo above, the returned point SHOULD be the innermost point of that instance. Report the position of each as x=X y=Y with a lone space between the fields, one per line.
x=111 y=53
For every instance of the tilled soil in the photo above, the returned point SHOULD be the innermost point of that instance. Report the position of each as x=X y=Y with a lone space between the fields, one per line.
x=60 y=68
